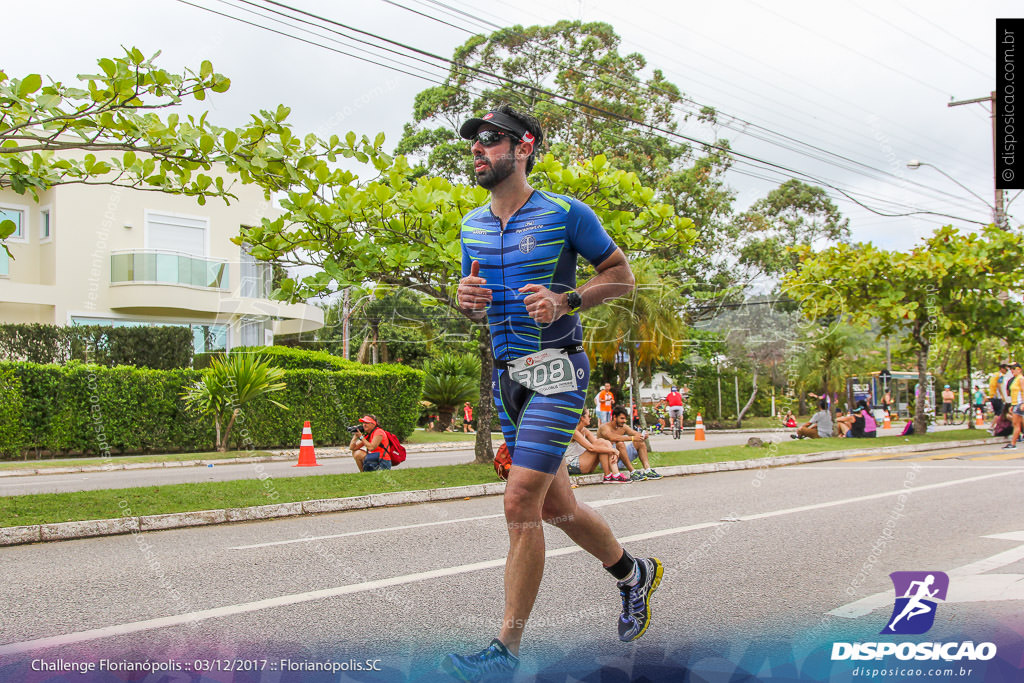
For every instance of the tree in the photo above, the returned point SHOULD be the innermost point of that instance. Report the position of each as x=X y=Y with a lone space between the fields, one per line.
x=228 y=384
x=590 y=100
x=793 y=214
x=402 y=229
x=449 y=382
x=829 y=354
x=109 y=132
x=951 y=283
x=648 y=324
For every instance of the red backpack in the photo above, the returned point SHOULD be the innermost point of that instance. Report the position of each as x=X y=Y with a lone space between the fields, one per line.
x=394 y=449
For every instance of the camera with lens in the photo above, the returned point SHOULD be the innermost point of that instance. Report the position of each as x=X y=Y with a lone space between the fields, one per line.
x=354 y=428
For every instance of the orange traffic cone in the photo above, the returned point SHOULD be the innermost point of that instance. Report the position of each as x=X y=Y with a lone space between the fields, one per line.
x=979 y=421
x=887 y=424
x=698 y=429
x=307 y=456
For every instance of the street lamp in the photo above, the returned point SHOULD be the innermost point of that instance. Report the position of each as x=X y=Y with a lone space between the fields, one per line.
x=997 y=218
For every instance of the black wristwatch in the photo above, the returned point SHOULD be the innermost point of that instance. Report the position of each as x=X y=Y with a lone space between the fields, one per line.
x=573 y=300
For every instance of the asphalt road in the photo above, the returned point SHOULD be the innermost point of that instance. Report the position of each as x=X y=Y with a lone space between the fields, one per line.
x=765 y=570
x=87 y=481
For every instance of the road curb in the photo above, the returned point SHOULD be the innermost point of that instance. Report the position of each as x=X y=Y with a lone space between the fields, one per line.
x=63 y=531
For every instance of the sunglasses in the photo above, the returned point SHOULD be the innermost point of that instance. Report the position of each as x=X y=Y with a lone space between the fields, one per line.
x=489 y=138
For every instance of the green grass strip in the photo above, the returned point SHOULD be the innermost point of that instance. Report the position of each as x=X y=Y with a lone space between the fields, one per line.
x=153 y=500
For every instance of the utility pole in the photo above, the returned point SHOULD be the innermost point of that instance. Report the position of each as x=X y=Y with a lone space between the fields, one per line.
x=998 y=215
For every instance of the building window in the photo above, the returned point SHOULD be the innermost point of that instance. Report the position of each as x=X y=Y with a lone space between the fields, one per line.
x=45 y=226
x=18 y=217
x=252 y=332
x=181 y=234
x=254 y=276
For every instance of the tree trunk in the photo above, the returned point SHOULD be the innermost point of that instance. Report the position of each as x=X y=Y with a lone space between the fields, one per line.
x=485 y=408
x=750 y=401
x=802 y=407
x=444 y=418
x=216 y=422
x=971 y=417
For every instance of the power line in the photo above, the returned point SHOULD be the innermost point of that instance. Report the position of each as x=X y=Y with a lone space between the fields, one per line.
x=938 y=193
x=595 y=109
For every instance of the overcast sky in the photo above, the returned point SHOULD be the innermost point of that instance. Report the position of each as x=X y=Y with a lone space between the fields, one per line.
x=866 y=80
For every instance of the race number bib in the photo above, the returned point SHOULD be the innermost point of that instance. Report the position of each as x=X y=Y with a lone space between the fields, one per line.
x=547 y=372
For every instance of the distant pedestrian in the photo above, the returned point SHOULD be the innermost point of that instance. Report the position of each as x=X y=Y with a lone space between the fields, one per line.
x=887 y=403
x=467 y=418
x=997 y=390
x=1016 y=395
x=979 y=400
x=947 y=404
x=605 y=401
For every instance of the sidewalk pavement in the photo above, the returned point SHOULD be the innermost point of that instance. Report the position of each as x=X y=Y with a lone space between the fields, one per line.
x=63 y=531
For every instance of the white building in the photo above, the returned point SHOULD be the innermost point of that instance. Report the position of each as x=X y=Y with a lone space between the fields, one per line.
x=104 y=255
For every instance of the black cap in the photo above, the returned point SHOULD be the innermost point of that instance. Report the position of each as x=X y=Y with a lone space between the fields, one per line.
x=499 y=120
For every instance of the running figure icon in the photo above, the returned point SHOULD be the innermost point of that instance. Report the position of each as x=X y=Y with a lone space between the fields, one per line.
x=915 y=606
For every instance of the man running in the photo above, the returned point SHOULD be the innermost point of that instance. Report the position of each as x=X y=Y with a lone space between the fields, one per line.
x=525 y=237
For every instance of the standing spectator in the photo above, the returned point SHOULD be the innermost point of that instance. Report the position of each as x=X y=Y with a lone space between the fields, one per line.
x=636 y=416
x=467 y=418
x=1015 y=391
x=605 y=401
x=819 y=426
x=979 y=400
x=996 y=390
x=887 y=402
x=947 y=404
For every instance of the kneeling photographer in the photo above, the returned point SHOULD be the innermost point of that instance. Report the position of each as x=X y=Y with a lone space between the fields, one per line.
x=369 y=445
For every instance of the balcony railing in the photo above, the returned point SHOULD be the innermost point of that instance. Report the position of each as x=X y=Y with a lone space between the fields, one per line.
x=167 y=268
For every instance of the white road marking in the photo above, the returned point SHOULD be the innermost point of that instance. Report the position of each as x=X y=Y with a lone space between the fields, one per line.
x=45 y=483
x=306 y=539
x=810 y=467
x=971 y=583
x=295 y=598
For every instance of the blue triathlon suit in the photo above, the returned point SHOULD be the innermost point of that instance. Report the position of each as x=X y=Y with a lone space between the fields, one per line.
x=539 y=245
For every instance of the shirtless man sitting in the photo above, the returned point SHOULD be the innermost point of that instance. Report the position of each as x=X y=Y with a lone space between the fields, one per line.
x=629 y=442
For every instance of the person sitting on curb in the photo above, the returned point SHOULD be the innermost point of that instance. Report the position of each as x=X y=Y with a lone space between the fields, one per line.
x=859 y=424
x=790 y=419
x=629 y=442
x=368 y=446
x=1002 y=425
x=585 y=453
x=818 y=427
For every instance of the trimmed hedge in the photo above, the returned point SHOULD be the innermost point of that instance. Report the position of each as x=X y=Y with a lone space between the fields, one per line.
x=90 y=409
x=289 y=358
x=161 y=348
x=12 y=432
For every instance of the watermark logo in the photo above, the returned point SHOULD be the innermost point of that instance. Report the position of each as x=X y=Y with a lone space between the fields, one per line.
x=916 y=596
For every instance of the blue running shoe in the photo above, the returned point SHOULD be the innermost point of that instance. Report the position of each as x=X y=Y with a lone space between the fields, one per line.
x=494 y=660
x=636 y=600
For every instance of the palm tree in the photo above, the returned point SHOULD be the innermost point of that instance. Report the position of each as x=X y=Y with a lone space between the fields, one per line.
x=451 y=379
x=830 y=355
x=227 y=384
x=647 y=323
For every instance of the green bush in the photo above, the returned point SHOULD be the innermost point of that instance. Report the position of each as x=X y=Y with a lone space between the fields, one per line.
x=12 y=431
x=90 y=409
x=161 y=348
x=288 y=358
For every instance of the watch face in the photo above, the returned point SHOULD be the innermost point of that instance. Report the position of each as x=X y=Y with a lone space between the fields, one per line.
x=574 y=300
